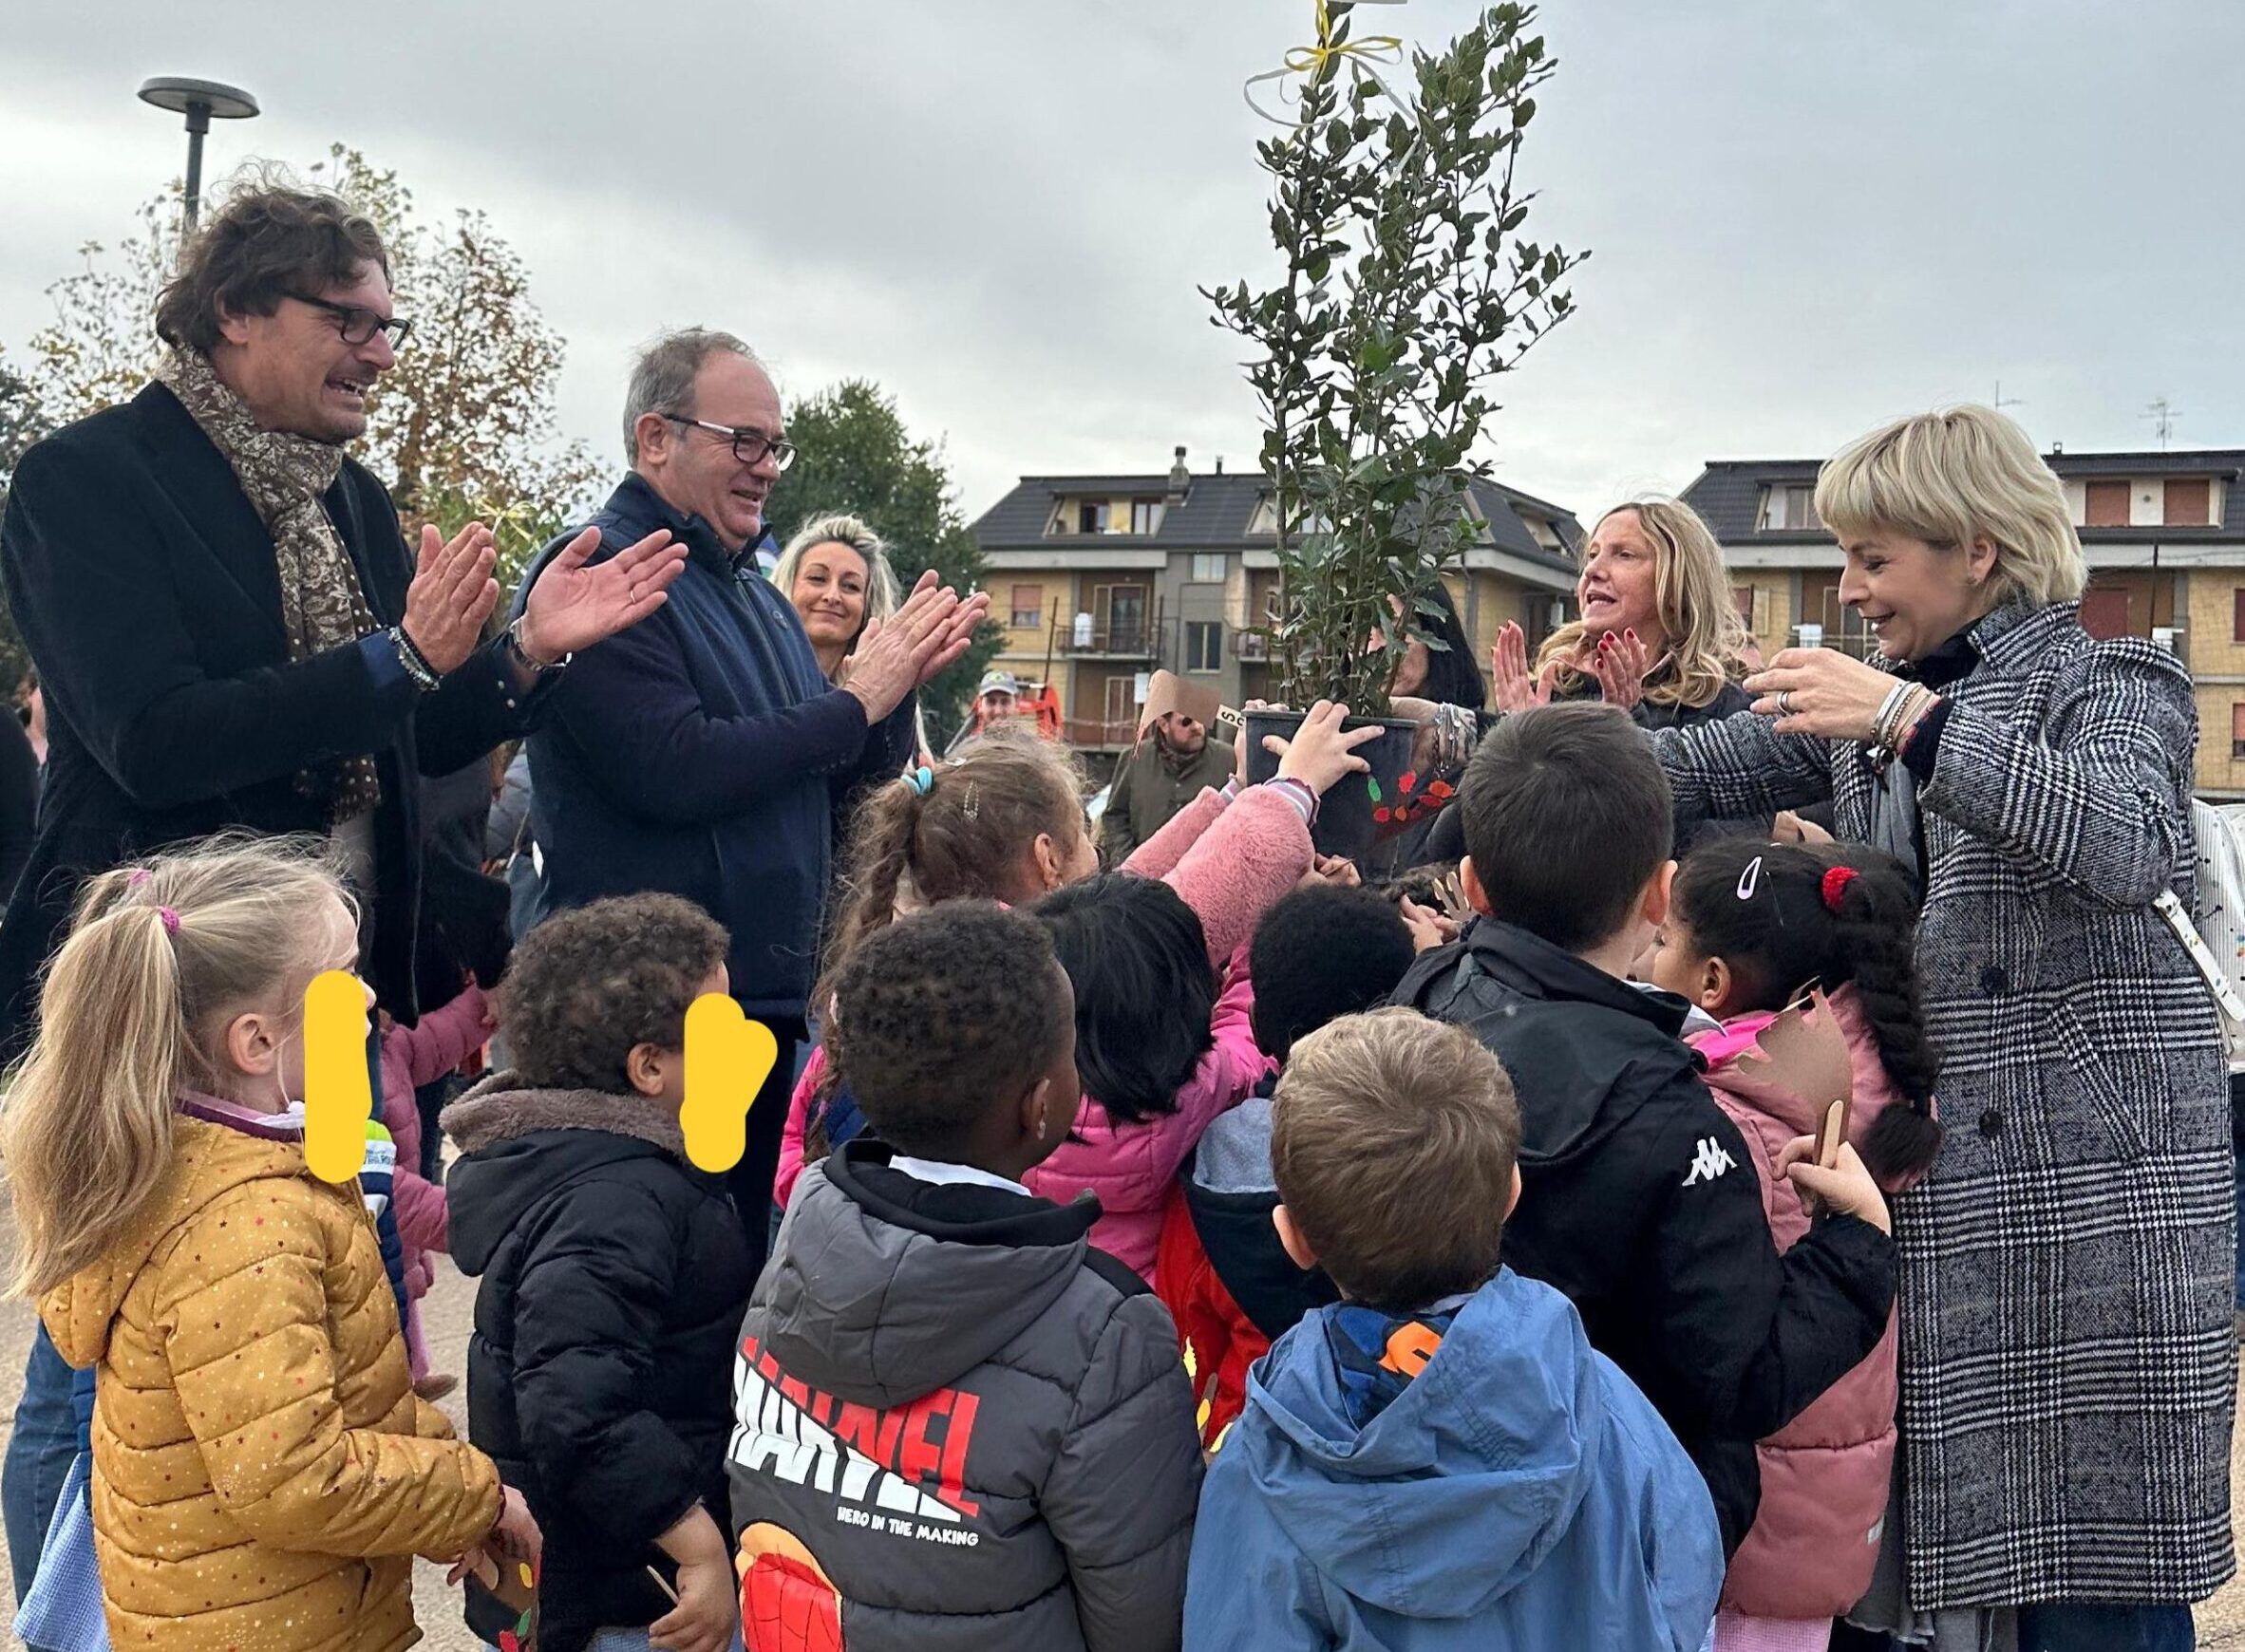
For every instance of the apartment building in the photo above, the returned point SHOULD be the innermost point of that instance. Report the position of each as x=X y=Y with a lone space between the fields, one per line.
x=2164 y=533
x=1100 y=580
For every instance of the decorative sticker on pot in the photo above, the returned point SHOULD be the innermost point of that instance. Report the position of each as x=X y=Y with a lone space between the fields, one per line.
x=1411 y=803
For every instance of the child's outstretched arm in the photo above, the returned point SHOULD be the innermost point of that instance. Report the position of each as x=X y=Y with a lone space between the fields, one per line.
x=1120 y=1497
x=441 y=1040
x=1158 y=855
x=1253 y=853
x=245 y=1309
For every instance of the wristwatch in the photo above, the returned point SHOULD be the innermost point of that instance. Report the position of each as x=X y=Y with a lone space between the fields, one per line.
x=512 y=636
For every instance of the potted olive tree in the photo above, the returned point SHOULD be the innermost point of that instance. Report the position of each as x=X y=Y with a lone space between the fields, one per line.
x=1408 y=291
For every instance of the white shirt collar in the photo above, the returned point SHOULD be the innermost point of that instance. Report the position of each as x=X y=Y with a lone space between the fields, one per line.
x=941 y=1174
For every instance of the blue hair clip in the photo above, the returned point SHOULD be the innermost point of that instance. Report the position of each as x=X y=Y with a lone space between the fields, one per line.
x=922 y=780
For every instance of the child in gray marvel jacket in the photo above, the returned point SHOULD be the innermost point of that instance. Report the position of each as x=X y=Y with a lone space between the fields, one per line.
x=959 y=1425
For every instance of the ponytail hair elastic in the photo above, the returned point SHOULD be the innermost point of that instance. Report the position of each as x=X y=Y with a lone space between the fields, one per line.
x=169 y=919
x=135 y=879
x=1835 y=885
x=921 y=781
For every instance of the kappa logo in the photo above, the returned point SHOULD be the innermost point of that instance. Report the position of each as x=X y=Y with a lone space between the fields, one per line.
x=878 y=1464
x=1714 y=1158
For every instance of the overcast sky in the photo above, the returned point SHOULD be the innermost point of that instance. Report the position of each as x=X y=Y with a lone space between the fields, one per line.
x=1807 y=215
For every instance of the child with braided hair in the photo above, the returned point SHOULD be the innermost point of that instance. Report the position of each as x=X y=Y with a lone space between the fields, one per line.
x=1751 y=926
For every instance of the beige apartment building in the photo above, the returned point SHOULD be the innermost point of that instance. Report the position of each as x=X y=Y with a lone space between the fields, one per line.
x=1100 y=580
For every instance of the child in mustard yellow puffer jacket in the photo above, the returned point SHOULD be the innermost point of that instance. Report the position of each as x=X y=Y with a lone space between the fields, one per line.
x=263 y=1473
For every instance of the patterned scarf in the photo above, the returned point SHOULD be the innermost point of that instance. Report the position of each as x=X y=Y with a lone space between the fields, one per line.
x=321 y=604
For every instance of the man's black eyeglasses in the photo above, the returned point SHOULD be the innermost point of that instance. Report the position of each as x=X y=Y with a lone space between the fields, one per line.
x=356 y=325
x=748 y=445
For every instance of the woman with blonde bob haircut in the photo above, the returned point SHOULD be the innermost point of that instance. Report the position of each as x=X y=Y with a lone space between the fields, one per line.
x=2066 y=1263
x=1658 y=635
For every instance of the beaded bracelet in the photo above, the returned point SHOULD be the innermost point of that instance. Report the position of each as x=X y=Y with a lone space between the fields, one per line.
x=416 y=663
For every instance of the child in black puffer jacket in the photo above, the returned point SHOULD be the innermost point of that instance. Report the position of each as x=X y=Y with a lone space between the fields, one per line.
x=613 y=1273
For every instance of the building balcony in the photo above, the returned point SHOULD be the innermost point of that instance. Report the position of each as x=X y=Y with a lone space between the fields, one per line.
x=1144 y=640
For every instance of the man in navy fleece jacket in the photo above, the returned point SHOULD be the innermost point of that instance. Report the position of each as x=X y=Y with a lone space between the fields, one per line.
x=697 y=754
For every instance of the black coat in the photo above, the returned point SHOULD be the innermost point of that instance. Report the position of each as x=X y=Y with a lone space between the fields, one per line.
x=1639 y=1202
x=614 y=1276
x=145 y=586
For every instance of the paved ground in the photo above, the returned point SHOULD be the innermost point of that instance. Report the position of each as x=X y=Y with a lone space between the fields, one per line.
x=2221 y=1621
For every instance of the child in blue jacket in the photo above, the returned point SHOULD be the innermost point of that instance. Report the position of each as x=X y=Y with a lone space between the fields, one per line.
x=1439 y=1460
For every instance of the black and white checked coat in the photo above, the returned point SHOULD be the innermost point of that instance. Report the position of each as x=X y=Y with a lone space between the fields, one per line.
x=2068 y=1365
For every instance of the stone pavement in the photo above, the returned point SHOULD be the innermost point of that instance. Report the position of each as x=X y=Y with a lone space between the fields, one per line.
x=448 y=1309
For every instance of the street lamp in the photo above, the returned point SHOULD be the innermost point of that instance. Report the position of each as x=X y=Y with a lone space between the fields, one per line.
x=201 y=102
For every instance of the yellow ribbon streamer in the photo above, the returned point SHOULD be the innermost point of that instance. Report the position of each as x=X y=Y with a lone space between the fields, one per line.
x=1319 y=62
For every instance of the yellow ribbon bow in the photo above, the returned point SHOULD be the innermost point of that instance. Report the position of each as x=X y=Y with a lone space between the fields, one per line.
x=1319 y=62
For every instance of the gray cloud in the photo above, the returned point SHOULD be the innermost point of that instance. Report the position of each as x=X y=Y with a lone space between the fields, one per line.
x=1807 y=215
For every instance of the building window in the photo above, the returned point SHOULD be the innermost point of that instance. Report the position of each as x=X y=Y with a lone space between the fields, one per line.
x=2238 y=731
x=2107 y=505
x=1091 y=519
x=1788 y=507
x=1145 y=515
x=1742 y=598
x=1204 y=646
x=1208 y=568
x=2237 y=623
x=1029 y=606
x=2189 y=501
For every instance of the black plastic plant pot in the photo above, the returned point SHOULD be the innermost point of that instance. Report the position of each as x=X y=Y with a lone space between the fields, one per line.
x=1361 y=811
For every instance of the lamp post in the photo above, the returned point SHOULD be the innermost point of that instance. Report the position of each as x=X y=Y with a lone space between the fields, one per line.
x=201 y=102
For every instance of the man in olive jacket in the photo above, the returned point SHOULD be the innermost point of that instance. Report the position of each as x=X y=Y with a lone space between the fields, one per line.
x=1174 y=758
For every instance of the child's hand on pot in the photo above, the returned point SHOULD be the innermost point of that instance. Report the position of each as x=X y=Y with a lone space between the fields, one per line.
x=1241 y=746
x=1320 y=753
x=1335 y=870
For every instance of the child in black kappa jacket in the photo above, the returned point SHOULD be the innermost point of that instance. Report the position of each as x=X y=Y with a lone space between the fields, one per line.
x=1640 y=1202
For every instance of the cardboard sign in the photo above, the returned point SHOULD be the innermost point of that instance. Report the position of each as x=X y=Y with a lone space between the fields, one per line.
x=1167 y=691
x=1805 y=1053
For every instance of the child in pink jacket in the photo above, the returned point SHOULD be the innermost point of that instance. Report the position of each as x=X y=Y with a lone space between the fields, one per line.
x=1750 y=927
x=412 y=1057
x=1006 y=823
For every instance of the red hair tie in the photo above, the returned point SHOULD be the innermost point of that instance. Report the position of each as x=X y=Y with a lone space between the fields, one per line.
x=1835 y=885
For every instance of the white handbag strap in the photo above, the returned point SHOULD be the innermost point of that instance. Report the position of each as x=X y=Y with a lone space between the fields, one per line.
x=2210 y=968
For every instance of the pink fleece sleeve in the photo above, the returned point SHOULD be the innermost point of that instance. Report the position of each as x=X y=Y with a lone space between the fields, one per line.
x=444 y=1038
x=423 y=1220
x=1240 y=865
x=1158 y=855
x=1229 y=1073
x=799 y=1121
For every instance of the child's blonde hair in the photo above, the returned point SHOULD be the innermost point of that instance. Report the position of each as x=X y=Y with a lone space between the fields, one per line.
x=158 y=958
